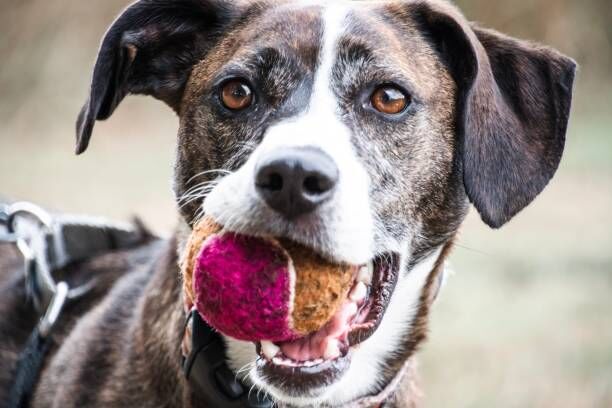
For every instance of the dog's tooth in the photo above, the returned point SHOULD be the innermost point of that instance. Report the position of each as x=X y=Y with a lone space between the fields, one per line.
x=277 y=360
x=269 y=349
x=352 y=309
x=314 y=362
x=332 y=349
x=359 y=292
x=365 y=273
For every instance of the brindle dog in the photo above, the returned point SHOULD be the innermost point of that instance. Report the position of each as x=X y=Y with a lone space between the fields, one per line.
x=413 y=111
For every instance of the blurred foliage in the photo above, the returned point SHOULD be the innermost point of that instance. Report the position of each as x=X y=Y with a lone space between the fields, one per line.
x=32 y=29
x=40 y=36
x=580 y=29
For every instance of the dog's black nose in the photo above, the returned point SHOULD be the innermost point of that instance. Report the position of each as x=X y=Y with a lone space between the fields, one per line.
x=294 y=181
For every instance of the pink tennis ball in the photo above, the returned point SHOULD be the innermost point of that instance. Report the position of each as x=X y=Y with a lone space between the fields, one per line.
x=243 y=287
x=254 y=288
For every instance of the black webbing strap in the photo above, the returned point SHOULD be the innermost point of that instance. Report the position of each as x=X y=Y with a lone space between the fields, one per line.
x=28 y=369
x=33 y=355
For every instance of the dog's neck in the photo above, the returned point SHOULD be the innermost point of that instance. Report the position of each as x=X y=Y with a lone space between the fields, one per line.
x=160 y=331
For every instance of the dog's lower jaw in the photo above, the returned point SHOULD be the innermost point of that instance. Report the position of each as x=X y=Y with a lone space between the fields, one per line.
x=375 y=362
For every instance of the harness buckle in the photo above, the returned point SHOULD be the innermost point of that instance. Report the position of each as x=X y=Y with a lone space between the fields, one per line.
x=41 y=285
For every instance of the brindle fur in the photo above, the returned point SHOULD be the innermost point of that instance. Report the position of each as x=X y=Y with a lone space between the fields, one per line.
x=487 y=125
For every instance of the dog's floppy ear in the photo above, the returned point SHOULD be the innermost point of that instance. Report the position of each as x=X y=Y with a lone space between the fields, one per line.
x=150 y=49
x=513 y=106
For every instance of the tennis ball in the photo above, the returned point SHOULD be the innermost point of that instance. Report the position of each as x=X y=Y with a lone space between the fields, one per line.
x=259 y=288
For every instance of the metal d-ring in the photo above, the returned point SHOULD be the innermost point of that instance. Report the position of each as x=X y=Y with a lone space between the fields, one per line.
x=32 y=271
x=24 y=208
x=38 y=277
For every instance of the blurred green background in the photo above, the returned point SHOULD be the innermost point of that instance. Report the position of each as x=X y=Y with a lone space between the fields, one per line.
x=525 y=320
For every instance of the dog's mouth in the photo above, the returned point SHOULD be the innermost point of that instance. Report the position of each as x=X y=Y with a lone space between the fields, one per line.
x=321 y=357
x=305 y=313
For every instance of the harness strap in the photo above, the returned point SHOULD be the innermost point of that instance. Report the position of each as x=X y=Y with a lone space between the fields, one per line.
x=28 y=367
x=49 y=244
x=205 y=367
x=32 y=357
x=77 y=238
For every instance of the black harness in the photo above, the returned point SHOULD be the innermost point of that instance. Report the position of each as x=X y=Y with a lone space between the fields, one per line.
x=50 y=243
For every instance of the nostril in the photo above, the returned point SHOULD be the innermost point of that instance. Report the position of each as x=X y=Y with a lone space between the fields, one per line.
x=316 y=184
x=271 y=181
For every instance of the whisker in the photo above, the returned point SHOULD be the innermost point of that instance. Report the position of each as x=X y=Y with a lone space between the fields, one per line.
x=199 y=191
x=478 y=251
x=202 y=185
x=210 y=171
x=195 y=194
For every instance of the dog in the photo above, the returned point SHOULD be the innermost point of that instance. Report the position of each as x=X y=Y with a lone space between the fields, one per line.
x=361 y=130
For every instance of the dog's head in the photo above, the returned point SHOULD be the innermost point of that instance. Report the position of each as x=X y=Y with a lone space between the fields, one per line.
x=360 y=130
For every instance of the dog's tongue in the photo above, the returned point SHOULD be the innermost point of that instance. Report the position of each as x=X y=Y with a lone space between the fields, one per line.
x=327 y=342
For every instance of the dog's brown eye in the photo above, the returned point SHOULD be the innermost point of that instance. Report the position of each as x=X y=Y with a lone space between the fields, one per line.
x=389 y=99
x=236 y=95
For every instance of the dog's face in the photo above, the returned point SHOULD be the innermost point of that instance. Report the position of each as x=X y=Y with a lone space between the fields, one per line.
x=360 y=130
